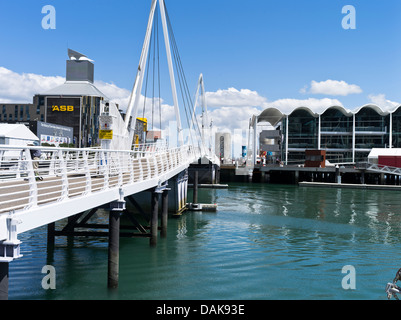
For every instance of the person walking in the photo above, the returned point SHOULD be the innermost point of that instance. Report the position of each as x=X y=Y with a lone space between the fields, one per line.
x=35 y=156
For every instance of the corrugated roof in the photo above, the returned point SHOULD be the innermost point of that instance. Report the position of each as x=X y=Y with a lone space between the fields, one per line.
x=75 y=88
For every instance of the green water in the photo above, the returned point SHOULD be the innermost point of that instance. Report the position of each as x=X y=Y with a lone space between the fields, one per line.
x=265 y=242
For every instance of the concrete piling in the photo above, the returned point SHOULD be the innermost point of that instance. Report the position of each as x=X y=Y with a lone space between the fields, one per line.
x=4 y=268
x=114 y=248
x=196 y=181
x=154 y=223
x=164 y=220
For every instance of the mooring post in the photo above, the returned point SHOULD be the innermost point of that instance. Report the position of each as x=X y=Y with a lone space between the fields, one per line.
x=164 y=220
x=114 y=248
x=338 y=175
x=363 y=177
x=4 y=267
x=196 y=178
x=154 y=225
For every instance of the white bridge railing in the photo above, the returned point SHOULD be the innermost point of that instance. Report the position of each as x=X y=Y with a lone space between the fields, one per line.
x=61 y=174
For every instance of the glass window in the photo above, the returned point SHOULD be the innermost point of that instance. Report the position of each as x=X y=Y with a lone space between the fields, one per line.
x=333 y=120
x=302 y=130
x=368 y=120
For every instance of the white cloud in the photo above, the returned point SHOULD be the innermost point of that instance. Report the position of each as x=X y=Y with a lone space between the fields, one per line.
x=332 y=88
x=381 y=101
x=316 y=105
x=230 y=109
x=229 y=118
x=234 y=98
x=116 y=94
x=20 y=88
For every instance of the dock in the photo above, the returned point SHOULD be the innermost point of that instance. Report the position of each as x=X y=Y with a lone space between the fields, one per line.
x=210 y=186
x=294 y=174
x=350 y=186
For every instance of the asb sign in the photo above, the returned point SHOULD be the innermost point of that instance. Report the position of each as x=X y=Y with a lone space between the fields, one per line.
x=63 y=108
x=64 y=111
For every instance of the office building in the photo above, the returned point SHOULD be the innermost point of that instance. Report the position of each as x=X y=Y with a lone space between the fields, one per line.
x=346 y=136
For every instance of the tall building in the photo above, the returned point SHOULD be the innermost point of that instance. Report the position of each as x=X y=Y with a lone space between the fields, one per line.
x=223 y=147
x=76 y=103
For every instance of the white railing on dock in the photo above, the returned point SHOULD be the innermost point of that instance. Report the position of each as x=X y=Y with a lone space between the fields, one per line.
x=380 y=168
x=63 y=173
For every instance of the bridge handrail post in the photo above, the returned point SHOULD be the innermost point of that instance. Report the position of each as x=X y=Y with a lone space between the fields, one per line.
x=52 y=168
x=140 y=168
x=160 y=163
x=88 y=181
x=176 y=159
x=20 y=162
x=180 y=156
x=33 y=188
x=121 y=166
x=105 y=169
x=149 y=175
x=64 y=178
x=130 y=160
x=155 y=165
x=165 y=160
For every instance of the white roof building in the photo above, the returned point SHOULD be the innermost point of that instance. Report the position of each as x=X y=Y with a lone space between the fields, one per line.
x=16 y=134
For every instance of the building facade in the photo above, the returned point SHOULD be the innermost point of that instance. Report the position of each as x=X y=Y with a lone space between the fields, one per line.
x=346 y=136
x=21 y=113
x=75 y=104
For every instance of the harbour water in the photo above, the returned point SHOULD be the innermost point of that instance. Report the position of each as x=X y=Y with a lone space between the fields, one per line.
x=266 y=242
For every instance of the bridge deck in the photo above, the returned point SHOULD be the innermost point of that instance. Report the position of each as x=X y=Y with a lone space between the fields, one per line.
x=76 y=180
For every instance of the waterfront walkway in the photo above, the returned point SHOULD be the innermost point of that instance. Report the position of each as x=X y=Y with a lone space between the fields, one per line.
x=76 y=180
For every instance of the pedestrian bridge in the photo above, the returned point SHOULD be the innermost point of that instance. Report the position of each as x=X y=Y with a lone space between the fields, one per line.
x=76 y=180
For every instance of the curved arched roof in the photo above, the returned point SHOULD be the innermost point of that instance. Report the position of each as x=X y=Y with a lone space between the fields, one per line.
x=313 y=114
x=271 y=115
x=344 y=111
x=274 y=115
x=376 y=108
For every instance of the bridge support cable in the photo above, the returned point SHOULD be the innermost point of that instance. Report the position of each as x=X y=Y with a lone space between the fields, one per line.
x=185 y=92
x=150 y=62
x=132 y=109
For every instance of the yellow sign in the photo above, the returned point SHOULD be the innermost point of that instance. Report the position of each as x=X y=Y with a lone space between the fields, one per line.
x=106 y=134
x=145 y=123
x=63 y=108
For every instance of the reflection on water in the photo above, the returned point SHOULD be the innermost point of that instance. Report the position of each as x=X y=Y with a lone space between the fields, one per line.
x=265 y=242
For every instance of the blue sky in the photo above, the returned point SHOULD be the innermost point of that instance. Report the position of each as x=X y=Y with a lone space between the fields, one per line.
x=253 y=54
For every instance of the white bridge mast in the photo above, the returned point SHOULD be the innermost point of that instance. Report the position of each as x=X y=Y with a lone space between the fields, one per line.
x=206 y=143
x=136 y=91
